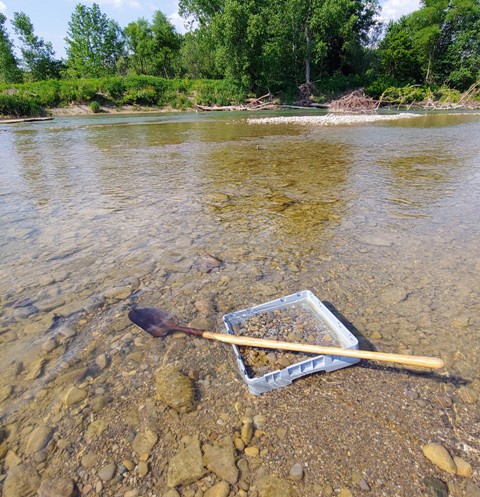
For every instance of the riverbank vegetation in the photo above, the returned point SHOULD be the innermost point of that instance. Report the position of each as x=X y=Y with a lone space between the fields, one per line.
x=298 y=51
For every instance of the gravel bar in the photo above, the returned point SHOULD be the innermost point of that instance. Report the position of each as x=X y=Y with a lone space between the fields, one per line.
x=329 y=119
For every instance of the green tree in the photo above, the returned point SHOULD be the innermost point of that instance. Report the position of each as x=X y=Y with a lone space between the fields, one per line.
x=38 y=56
x=278 y=42
x=398 y=56
x=153 y=47
x=95 y=43
x=9 y=71
x=196 y=56
x=439 y=43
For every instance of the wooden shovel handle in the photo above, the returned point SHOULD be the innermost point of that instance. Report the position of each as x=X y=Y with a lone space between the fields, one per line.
x=424 y=362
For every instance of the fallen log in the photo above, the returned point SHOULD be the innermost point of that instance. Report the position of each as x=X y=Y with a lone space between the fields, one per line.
x=24 y=120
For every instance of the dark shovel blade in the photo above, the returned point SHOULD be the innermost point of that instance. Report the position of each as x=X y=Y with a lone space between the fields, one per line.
x=154 y=321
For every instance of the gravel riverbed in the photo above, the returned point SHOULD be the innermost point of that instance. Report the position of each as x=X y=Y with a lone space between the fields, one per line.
x=126 y=417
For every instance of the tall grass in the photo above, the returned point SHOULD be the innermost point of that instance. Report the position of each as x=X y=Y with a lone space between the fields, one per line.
x=118 y=91
x=19 y=106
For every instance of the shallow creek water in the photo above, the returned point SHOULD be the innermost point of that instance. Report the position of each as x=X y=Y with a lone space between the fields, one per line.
x=202 y=215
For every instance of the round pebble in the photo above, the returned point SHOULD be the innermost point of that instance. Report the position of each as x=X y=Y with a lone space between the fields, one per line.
x=296 y=472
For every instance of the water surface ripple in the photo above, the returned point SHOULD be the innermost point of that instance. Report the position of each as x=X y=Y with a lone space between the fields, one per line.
x=379 y=220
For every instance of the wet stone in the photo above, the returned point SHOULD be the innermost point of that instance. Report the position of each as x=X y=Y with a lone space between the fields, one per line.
x=49 y=345
x=296 y=472
x=143 y=468
x=56 y=487
x=21 y=481
x=12 y=459
x=107 y=472
x=74 y=395
x=439 y=456
x=90 y=460
x=131 y=493
x=471 y=490
x=273 y=486
x=220 y=459
x=186 y=466
x=118 y=293
x=5 y=392
x=171 y=493
x=463 y=467
x=67 y=332
x=95 y=429
x=220 y=489
x=252 y=451
x=38 y=439
x=102 y=361
x=435 y=487
x=175 y=389
x=468 y=395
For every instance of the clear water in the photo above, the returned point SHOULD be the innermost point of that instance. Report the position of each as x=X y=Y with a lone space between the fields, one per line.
x=381 y=221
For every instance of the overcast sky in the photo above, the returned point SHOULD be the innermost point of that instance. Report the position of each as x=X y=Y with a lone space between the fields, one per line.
x=50 y=17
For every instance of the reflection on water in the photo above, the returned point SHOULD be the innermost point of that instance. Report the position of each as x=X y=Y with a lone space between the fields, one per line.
x=379 y=220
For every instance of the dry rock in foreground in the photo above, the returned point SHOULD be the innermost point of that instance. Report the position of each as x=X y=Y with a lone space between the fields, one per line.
x=175 y=389
x=186 y=466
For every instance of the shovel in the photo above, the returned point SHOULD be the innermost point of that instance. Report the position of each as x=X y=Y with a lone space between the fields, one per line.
x=158 y=323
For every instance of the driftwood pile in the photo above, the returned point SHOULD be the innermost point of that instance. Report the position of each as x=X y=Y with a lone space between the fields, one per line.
x=356 y=101
x=305 y=94
x=261 y=103
x=468 y=100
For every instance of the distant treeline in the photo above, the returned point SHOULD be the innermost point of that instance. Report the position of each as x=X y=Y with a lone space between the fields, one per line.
x=258 y=45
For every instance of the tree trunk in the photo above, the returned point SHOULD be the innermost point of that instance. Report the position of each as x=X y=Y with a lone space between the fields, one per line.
x=308 y=40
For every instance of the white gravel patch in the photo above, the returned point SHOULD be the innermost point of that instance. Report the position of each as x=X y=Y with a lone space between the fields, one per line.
x=330 y=119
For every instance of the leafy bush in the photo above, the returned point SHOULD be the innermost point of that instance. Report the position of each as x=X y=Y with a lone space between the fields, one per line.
x=140 y=90
x=379 y=85
x=19 y=106
x=406 y=94
x=337 y=84
x=462 y=78
x=94 y=107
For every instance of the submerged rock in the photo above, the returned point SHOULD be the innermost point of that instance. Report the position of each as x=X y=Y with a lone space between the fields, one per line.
x=38 y=439
x=273 y=486
x=143 y=443
x=74 y=395
x=21 y=481
x=175 y=389
x=220 y=489
x=207 y=263
x=221 y=460
x=56 y=487
x=463 y=467
x=435 y=487
x=440 y=456
x=186 y=466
